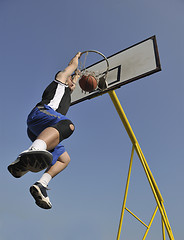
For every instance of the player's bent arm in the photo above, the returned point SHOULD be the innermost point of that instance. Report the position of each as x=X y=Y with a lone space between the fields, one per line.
x=76 y=77
x=74 y=81
x=72 y=66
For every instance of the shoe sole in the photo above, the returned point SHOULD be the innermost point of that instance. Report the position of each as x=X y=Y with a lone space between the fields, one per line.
x=17 y=169
x=39 y=199
x=34 y=161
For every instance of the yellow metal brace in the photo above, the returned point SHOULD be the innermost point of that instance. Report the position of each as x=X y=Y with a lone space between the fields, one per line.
x=151 y=180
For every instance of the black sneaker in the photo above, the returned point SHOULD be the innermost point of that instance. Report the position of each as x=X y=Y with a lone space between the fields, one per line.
x=30 y=160
x=17 y=168
x=39 y=193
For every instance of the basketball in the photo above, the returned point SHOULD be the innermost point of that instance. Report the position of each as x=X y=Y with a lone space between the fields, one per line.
x=88 y=83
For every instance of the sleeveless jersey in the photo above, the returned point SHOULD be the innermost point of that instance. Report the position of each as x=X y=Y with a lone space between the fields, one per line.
x=58 y=96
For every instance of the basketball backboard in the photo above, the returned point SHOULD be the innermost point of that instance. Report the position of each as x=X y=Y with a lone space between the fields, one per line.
x=128 y=65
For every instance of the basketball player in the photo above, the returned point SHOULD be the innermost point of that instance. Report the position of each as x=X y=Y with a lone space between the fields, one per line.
x=47 y=127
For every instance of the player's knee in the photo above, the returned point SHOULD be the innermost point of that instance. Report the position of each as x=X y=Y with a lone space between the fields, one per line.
x=72 y=127
x=65 y=128
x=65 y=159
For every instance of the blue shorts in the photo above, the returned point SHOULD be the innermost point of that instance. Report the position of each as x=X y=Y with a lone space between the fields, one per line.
x=38 y=120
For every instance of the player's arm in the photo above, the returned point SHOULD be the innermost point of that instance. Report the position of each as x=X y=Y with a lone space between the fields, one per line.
x=72 y=66
x=75 y=79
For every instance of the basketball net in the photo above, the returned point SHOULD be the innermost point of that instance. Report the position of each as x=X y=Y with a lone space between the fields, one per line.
x=99 y=76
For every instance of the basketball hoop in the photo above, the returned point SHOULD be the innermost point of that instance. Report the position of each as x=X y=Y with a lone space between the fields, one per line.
x=99 y=76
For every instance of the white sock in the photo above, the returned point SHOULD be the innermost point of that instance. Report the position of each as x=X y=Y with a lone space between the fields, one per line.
x=39 y=145
x=45 y=179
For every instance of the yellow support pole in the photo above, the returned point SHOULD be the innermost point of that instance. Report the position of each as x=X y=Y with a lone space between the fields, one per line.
x=163 y=230
x=153 y=185
x=163 y=226
x=125 y=195
x=151 y=221
x=136 y=217
x=165 y=214
x=129 y=130
x=155 y=191
x=155 y=194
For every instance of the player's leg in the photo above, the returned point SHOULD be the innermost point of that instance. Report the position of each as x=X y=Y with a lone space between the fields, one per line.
x=35 y=159
x=59 y=129
x=39 y=189
x=17 y=168
x=59 y=166
x=55 y=134
x=48 y=139
x=50 y=128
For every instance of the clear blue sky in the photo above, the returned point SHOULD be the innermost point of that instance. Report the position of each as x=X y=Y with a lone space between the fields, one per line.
x=38 y=38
